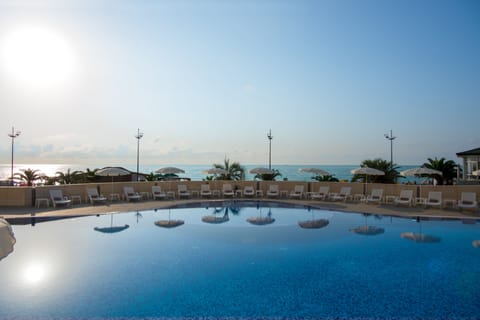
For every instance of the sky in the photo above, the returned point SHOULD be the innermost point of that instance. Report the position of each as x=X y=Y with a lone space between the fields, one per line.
x=207 y=80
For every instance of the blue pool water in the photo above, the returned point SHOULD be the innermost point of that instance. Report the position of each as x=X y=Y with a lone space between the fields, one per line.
x=66 y=269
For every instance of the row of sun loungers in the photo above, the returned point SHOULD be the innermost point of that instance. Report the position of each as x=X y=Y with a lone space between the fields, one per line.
x=468 y=199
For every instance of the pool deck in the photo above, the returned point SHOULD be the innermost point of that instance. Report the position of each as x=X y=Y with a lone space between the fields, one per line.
x=76 y=210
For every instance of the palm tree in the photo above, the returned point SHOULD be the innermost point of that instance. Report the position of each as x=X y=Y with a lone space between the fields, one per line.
x=327 y=178
x=391 y=171
x=69 y=177
x=90 y=175
x=29 y=176
x=234 y=170
x=268 y=176
x=151 y=176
x=447 y=167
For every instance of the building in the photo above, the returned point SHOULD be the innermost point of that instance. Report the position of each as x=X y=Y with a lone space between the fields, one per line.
x=471 y=162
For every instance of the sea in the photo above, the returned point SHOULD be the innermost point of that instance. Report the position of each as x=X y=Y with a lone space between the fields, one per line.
x=290 y=172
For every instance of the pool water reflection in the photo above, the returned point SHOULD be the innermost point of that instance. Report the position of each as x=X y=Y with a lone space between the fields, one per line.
x=237 y=269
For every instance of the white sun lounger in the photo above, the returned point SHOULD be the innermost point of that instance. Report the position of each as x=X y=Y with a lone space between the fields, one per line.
x=248 y=191
x=58 y=198
x=227 y=190
x=434 y=199
x=322 y=193
x=130 y=194
x=205 y=191
x=157 y=193
x=343 y=195
x=375 y=196
x=183 y=191
x=468 y=200
x=405 y=197
x=272 y=191
x=94 y=197
x=297 y=192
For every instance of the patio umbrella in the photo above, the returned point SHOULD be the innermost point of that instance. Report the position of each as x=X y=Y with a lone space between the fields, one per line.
x=317 y=171
x=420 y=237
x=111 y=228
x=7 y=239
x=214 y=219
x=261 y=221
x=215 y=171
x=313 y=224
x=169 y=223
x=112 y=172
x=420 y=171
x=262 y=171
x=169 y=170
x=366 y=171
x=367 y=230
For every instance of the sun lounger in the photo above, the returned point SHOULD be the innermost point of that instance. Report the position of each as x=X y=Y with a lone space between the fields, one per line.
x=205 y=191
x=130 y=194
x=468 y=200
x=227 y=190
x=405 y=197
x=248 y=191
x=343 y=195
x=322 y=193
x=375 y=196
x=183 y=191
x=94 y=197
x=297 y=192
x=58 y=198
x=272 y=191
x=157 y=193
x=434 y=199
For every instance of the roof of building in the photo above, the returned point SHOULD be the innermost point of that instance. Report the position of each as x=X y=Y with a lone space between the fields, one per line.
x=473 y=152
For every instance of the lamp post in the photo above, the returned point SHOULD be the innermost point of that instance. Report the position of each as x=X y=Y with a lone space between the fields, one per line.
x=13 y=135
x=270 y=137
x=138 y=136
x=391 y=138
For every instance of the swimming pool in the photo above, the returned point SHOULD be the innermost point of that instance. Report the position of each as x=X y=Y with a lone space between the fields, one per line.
x=67 y=269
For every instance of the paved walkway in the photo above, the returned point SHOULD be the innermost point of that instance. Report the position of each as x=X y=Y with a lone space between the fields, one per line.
x=382 y=209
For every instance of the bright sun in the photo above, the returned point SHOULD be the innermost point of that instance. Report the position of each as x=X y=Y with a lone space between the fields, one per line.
x=38 y=57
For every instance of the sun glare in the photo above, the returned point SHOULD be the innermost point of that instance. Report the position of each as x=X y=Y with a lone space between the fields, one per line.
x=38 y=57
x=35 y=273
